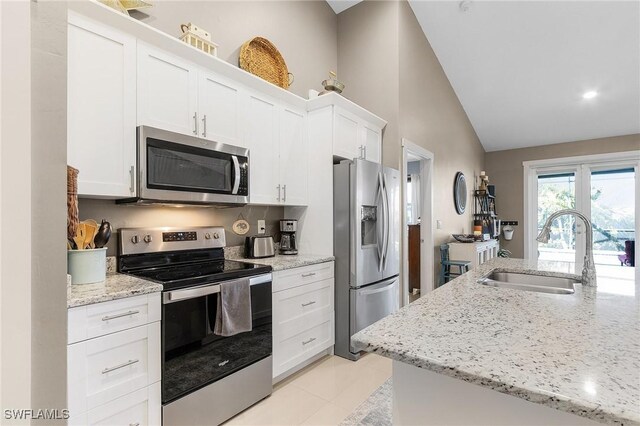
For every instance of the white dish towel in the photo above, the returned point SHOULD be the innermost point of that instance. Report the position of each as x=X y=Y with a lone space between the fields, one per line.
x=233 y=313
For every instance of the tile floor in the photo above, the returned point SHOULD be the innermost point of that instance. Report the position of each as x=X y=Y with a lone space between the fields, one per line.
x=324 y=393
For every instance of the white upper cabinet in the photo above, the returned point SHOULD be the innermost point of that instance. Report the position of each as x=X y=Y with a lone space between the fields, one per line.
x=261 y=125
x=346 y=143
x=356 y=132
x=220 y=104
x=167 y=91
x=371 y=142
x=101 y=117
x=293 y=157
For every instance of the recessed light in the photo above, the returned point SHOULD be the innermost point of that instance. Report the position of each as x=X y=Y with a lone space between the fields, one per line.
x=590 y=94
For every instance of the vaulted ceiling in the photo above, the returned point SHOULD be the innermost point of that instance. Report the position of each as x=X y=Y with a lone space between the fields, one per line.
x=521 y=69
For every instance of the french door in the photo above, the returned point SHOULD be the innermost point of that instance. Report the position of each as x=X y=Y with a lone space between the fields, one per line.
x=604 y=189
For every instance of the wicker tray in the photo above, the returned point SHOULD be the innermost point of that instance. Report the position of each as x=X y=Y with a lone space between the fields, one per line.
x=260 y=57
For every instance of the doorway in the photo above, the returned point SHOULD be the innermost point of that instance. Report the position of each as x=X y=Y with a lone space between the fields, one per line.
x=417 y=222
x=604 y=188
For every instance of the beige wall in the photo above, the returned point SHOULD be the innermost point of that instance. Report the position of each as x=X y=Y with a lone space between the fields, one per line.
x=505 y=171
x=123 y=216
x=48 y=204
x=368 y=64
x=15 y=206
x=305 y=32
x=389 y=68
x=431 y=116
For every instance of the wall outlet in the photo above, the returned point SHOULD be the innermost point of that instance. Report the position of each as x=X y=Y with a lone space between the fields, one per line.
x=262 y=228
x=438 y=224
x=509 y=222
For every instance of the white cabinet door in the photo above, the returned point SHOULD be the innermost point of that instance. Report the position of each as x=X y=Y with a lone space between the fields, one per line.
x=372 y=142
x=294 y=154
x=142 y=408
x=219 y=109
x=101 y=98
x=261 y=124
x=167 y=91
x=346 y=143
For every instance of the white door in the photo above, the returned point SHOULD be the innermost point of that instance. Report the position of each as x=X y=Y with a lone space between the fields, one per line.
x=101 y=98
x=167 y=91
x=219 y=108
x=293 y=157
x=372 y=142
x=346 y=143
x=261 y=126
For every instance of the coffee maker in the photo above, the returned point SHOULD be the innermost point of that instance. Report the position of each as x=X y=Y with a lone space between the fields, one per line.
x=288 y=228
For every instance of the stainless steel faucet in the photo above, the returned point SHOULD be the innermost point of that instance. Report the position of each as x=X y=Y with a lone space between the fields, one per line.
x=589 y=268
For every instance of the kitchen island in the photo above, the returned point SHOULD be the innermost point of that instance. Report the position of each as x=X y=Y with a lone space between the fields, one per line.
x=472 y=354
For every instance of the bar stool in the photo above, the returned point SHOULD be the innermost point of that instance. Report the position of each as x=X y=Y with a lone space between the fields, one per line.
x=445 y=269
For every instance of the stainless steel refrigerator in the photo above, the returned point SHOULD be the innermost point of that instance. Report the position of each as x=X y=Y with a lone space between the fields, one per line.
x=366 y=203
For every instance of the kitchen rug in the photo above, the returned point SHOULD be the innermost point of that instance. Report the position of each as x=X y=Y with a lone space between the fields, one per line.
x=375 y=411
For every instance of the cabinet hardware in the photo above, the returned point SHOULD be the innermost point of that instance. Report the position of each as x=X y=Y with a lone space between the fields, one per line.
x=126 y=314
x=134 y=424
x=364 y=152
x=118 y=367
x=310 y=274
x=309 y=303
x=195 y=123
x=132 y=179
x=204 y=126
x=306 y=342
x=278 y=192
x=361 y=151
x=284 y=193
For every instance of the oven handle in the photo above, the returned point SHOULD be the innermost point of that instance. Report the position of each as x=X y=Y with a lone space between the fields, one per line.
x=236 y=174
x=205 y=290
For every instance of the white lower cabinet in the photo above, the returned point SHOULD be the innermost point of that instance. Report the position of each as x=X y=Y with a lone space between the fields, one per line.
x=476 y=253
x=139 y=408
x=303 y=315
x=113 y=377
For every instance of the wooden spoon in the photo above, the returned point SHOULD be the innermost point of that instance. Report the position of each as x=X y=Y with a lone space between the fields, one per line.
x=91 y=229
x=80 y=236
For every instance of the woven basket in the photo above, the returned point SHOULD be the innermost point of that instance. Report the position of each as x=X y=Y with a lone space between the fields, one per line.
x=260 y=57
x=72 y=202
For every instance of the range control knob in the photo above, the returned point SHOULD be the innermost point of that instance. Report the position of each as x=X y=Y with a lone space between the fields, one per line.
x=148 y=238
x=216 y=235
x=135 y=239
x=207 y=236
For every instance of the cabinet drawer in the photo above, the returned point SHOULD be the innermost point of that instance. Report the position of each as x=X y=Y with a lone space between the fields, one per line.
x=301 y=307
x=87 y=322
x=289 y=352
x=140 y=408
x=296 y=277
x=103 y=369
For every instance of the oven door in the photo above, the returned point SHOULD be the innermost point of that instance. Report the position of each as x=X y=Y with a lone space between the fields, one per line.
x=193 y=356
x=178 y=168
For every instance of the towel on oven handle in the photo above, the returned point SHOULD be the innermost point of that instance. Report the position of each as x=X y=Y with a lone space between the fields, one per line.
x=233 y=313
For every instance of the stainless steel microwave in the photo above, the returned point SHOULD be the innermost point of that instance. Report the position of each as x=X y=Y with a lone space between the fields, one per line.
x=179 y=169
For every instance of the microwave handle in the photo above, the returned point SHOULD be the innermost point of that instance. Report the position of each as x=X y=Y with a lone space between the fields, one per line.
x=236 y=174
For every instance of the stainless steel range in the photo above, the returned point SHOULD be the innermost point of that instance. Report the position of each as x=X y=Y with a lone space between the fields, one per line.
x=206 y=378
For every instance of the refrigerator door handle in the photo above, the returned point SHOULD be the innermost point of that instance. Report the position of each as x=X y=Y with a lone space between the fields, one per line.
x=385 y=200
x=380 y=242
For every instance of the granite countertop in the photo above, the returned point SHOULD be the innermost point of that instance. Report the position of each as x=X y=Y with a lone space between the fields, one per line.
x=116 y=286
x=578 y=353
x=279 y=262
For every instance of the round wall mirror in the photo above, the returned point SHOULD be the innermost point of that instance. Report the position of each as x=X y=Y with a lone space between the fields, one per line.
x=460 y=193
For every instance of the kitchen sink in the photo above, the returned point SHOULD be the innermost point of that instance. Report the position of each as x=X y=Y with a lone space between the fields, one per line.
x=530 y=282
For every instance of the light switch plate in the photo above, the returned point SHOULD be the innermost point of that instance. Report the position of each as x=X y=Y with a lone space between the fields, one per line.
x=438 y=224
x=261 y=227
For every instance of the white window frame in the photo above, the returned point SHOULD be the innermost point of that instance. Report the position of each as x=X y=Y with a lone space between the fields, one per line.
x=581 y=165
